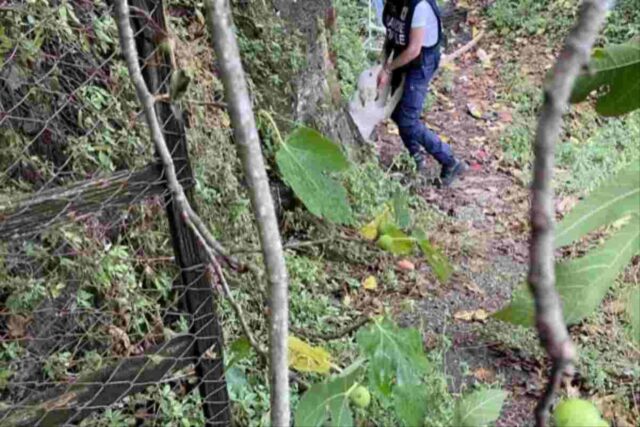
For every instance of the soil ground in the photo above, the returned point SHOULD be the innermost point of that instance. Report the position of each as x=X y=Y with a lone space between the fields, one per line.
x=489 y=211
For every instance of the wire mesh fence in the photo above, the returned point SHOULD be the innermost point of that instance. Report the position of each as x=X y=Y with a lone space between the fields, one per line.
x=107 y=314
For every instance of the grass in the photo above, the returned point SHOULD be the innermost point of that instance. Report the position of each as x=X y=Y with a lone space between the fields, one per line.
x=591 y=148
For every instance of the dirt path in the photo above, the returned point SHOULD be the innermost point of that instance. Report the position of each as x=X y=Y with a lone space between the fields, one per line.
x=486 y=242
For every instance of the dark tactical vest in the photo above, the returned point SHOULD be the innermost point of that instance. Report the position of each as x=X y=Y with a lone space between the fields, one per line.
x=397 y=17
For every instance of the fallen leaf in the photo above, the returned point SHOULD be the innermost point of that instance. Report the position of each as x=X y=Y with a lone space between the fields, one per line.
x=474 y=110
x=476 y=167
x=484 y=374
x=346 y=300
x=17 y=326
x=306 y=358
x=121 y=344
x=370 y=283
x=473 y=287
x=405 y=264
x=471 y=315
x=484 y=57
x=505 y=116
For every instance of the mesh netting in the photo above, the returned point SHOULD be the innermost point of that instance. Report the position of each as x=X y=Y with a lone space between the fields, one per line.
x=107 y=314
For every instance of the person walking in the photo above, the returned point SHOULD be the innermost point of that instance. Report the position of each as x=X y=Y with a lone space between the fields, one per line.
x=414 y=36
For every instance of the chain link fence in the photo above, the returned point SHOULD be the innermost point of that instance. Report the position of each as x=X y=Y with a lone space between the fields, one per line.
x=107 y=314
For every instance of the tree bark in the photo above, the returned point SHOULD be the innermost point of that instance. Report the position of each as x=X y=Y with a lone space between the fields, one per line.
x=246 y=136
x=549 y=320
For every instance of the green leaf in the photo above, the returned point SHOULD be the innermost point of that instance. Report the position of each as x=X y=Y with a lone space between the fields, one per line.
x=401 y=210
x=305 y=160
x=410 y=403
x=582 y=283
x=436 y=259
x=619 y=197
x=396 y=355
x=633 y=312
x=397 y=242
x=616 y=67
x=239 y=350
x=479 y=408
x=327 y=403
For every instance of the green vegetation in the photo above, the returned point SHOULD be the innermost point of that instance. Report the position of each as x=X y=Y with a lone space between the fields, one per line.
x=351 y=57
x=358 y=218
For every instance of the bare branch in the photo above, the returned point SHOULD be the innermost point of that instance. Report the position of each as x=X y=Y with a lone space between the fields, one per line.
x=340 y=333
x=467 y=47
x=238 y=309
x=246 y=137
x=550 y=323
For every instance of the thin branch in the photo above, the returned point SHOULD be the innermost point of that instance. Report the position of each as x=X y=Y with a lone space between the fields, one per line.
x=336 y=334
x=550 y=323
x=467 y=47
x=288 y=245
x=246 y=137
x=217 y=104
x=238 y=309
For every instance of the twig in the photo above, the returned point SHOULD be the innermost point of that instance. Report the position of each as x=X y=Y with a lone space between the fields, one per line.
x=467 y=47
x=194 y=222
x=337 y=334
x=246 y=137
x=550 y=323
x=238 y=310
x=218 y=104
x=289 y=245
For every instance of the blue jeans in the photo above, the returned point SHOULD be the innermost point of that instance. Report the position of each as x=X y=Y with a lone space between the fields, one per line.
x=407 y=114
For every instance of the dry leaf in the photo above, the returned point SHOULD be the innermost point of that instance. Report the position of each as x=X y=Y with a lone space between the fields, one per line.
x=473 y=287
x=485 y=375
x=471 y=315
x=121 y=344
x=346 y=300
x=17 y=326
x=370 y=283
x=392 y=129
x=474 y=110
x=305 y=358
x=484 y=58
x=405 y=264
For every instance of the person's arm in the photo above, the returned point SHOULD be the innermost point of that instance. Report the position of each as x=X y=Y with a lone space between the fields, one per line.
x=411 y=52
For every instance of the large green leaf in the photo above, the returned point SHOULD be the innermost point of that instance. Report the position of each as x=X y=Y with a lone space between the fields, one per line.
x=633 y=312
x=617 y=198
x=327 y=403
x=616 y=67
x=410 y=403
x=401 y=210
x=479 y=408
x=582 y=283
x=436 y=259
x=397 y=241
x=305 y=160
x=396 y=355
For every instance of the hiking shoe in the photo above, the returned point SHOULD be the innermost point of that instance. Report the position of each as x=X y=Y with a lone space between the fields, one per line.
x=450 y=173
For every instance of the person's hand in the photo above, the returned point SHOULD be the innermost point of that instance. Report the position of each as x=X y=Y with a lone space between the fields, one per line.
x=384 y=76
